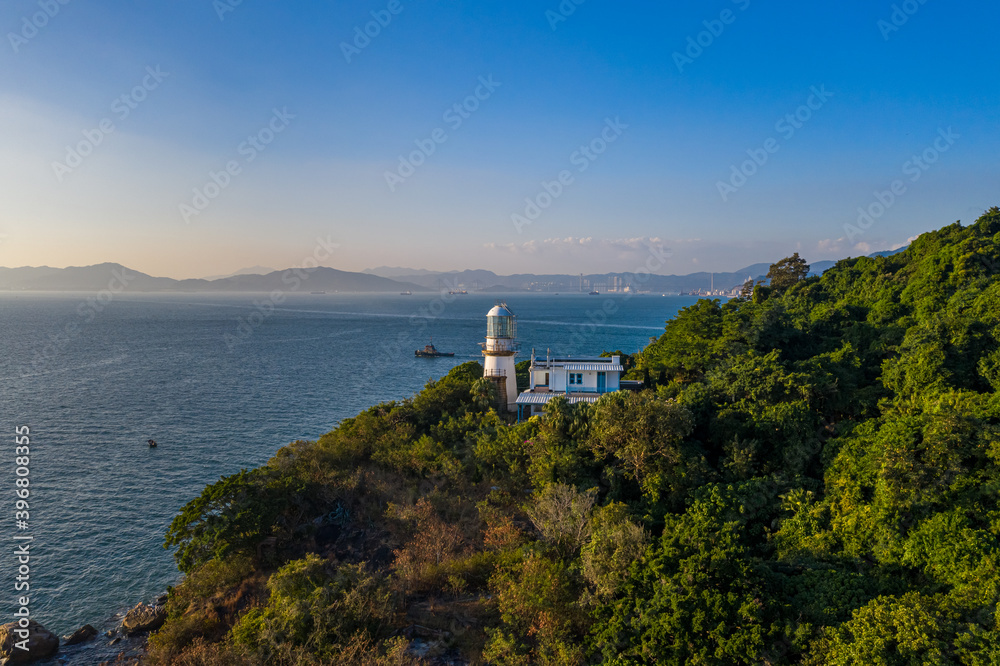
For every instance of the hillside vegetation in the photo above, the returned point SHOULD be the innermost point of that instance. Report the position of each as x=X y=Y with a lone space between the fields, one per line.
x=814 y=480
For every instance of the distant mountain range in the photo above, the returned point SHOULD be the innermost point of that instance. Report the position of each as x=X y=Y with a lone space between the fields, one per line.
x=252 y=270
x=115 y=276
x=487 y=281
x=479 y=280
x=396 y=271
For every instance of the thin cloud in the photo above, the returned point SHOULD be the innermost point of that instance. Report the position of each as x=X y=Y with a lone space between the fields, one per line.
x=626 y=245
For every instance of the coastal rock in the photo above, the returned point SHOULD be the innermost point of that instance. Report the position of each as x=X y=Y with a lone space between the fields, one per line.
x=81 y=635
x=41 y=643
x=143 y=618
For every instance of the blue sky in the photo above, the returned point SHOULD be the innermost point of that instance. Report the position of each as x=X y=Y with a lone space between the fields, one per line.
x=557 y=81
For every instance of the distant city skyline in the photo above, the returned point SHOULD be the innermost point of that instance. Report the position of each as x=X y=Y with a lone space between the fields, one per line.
x=195 y=138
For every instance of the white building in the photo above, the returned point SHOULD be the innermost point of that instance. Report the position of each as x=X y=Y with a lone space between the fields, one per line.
x=578 y=379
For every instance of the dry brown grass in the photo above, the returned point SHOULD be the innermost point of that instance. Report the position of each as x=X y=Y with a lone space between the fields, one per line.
x=204 y=606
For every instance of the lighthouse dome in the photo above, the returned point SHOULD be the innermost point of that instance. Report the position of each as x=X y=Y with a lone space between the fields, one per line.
x=500 y=310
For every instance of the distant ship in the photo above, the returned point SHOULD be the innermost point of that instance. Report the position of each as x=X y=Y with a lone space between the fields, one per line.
x=317 y=293
x=431 y=352
x=406 y=293
x=458 y=293
x=595 y=293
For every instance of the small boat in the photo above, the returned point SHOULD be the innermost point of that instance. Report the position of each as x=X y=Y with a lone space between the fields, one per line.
x=595 y=293
x=460 y=292
x=431 y=352
x=317 y=293
x=152 y=443
x=406 y=293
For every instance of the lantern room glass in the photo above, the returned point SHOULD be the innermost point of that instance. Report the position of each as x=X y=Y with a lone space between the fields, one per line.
x=501 y=327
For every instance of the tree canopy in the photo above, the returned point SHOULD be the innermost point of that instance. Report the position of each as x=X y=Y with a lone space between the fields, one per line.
x=787 y=272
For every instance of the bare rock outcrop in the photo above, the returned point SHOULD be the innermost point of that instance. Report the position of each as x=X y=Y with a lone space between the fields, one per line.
x=39 y=641
x=143 y=618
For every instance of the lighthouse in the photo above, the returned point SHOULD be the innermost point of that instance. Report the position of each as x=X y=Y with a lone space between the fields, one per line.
x=499 y=351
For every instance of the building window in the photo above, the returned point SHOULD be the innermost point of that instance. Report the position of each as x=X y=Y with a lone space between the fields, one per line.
x=576 y=378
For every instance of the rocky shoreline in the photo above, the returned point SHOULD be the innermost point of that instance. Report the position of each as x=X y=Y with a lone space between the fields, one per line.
x=123 y=640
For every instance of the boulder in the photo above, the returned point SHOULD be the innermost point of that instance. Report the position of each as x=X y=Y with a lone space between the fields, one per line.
x=41 y=643
x=143 y=618
x=81 y=635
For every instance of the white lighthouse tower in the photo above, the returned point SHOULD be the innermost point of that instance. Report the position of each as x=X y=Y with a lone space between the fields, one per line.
x=500 y=349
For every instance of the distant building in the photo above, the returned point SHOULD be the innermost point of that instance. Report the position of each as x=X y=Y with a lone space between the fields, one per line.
x=578 y=379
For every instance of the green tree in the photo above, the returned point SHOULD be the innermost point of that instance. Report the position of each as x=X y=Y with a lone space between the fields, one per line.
x=232 y=516
x=561 y=514
x=787 y=272
x=699 y=597
x=645 y=436
x=559 y=453
x=615 y=544
x=541 y=623
x=314 y=611
x=691 y=344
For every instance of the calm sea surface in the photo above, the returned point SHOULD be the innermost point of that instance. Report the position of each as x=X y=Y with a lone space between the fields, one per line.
x=93 y=386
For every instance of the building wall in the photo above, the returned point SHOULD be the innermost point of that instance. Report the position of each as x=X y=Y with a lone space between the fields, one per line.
x=538 y=378
x=589 y=381
x=504 y=365
x=614 y=381
x=559 y=380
